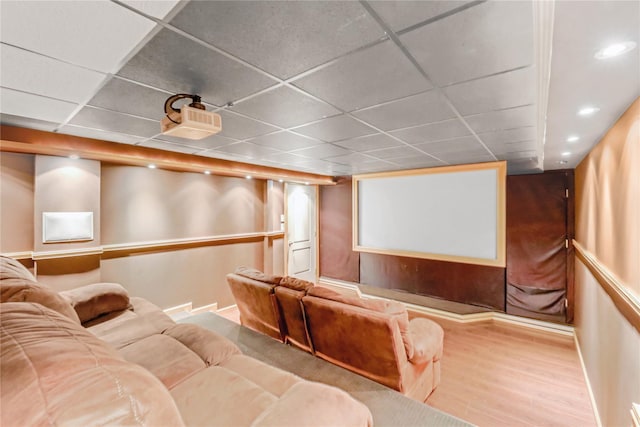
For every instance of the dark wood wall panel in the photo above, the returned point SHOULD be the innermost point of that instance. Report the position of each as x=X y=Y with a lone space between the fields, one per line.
x=465 y=283
x=337 y=260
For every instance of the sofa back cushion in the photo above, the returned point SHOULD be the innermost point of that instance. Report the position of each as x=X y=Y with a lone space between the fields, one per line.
x=54 y=372
x=256 y=304
x=17 y=284
x=252 y=273
x=362 y=340
x=392 y=308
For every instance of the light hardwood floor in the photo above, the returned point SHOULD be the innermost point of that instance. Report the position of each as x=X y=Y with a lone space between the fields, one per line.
x=494 y=374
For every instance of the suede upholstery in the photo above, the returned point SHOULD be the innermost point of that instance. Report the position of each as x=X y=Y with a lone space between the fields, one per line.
x=17 y=284
x=94 y=300
x=371 y=337
x=366 y=337
x=137 y=366
x=256 y=302
x=53 y=372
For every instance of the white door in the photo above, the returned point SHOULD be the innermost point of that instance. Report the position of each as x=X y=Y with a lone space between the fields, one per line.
x=301 y=231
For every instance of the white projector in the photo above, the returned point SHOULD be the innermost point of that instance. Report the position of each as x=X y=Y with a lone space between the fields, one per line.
x=193 y=123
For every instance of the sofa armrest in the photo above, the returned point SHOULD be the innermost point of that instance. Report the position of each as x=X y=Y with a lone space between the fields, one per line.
x=91 y=301
x=427 y=337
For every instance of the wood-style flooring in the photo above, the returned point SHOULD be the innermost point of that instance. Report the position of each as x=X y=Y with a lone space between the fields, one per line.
x=495 y=374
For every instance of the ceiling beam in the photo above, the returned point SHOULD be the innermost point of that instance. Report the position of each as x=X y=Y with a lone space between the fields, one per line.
x=22 y=140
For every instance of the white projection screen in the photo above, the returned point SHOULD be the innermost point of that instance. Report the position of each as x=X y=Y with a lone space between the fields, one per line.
x=451 y=213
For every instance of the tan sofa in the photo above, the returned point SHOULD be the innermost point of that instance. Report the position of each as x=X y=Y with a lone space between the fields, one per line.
x=129 y=363
x=373 y=338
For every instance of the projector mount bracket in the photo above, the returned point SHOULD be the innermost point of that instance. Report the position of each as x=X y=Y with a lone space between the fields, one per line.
x=173 y=114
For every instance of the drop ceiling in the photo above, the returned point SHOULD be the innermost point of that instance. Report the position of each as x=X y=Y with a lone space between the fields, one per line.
x=333 y=88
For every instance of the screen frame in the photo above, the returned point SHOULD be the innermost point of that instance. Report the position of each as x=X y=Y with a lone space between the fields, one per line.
x=501 y=173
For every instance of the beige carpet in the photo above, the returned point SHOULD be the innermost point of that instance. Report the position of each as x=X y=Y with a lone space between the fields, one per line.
x=389 y=408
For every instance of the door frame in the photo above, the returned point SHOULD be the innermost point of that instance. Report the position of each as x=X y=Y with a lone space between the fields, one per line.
x=316 y=239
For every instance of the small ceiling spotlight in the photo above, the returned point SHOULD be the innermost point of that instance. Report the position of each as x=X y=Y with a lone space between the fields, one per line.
x=151 y=166
x=566 y=154
x=615 y=49
x=207 y=172
x=573 y=138
x=281 y=180
x=562 y=162
x=193 y=121
x=74 y=157
x=587 y=111
x=306 y=183
x=248 y=176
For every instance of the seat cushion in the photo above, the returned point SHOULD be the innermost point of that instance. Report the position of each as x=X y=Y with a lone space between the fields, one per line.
x=54 y=372
x=96 y=299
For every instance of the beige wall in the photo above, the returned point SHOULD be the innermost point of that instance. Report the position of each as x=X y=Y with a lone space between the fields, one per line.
x=138 y=205
x=608 y=227
x=16 y=202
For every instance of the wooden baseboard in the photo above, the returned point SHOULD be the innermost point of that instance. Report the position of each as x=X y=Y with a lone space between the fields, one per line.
x=635 y=414
x=596 y=414
x=213 y=308
x=186 y=307
x=227 y=308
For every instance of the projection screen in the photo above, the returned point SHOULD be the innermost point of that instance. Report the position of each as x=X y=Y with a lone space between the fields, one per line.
x=452 y=213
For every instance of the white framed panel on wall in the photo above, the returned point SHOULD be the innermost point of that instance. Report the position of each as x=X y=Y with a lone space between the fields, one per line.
x=451 y=213
x=67 y=227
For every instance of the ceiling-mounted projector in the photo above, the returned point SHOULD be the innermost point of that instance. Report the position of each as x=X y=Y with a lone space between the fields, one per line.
x=193 y=121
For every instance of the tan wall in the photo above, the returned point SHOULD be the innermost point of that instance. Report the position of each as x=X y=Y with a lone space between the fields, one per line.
x=138 y=205
x=16 y=202
x=66 y=185
x=142 y=204
x=608 y=227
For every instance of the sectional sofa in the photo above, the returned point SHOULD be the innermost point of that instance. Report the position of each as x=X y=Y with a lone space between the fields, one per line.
x=373 y=338
x=95 y=356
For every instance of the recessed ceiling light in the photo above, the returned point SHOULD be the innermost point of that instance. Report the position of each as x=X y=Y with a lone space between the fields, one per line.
x=151 y=166
x=562 y=162
x=587 y=111
x=573 y=138
x=207 y=172
x=306 y=183
x=281 y=180
x=248 y=176
x=74 y=157
x=615 y=49
x=566 y=154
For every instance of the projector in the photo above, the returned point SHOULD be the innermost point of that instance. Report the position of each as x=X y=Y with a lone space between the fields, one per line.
x=191 y=123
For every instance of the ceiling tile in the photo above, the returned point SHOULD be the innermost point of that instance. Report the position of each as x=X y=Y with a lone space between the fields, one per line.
x=99 y=134
x=238 y=127
x=322 y=151
x=415 y=110
x=432 y=132
x=517 y=155
x=35 y=107
x=466 y=157
x=167 y=146
x=37 y=74
x=482 y=40
x=248 y=149
x=369 y=142
x=224 y=156
x=285 y=141
x=115 y=122
x=503 y=119
x=368 y=77
x=214 y=141
x=286 y=158
x=156 y=8
x=417 y=161
x=126 y=97
x=510 y=135
x=351 y=159
x=72 y=30
x=285 y=107
x=180 y=65
x=402 y=14
x=512 y=89
x=335 y=129
x=283 y=38
x=390 y=153
x=467 y=143
x=25 y=122
x=502 y=148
